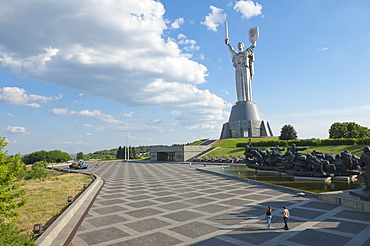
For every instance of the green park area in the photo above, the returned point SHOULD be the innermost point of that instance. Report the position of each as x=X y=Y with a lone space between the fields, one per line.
x=228 y=147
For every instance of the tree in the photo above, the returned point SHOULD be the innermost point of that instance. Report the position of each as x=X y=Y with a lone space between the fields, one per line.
x=288 y=133
x=11 y=197
x=348 y=130
x=80 y=156
x=120 y=153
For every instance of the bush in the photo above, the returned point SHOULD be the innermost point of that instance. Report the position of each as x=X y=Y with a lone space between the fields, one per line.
x=12 y=237
x=38 y=171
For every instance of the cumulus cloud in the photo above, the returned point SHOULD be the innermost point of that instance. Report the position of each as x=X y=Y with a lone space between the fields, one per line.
x=213 y=19
x=94 y=113
x=16 y=95
x=112 y=49
x=17 y=130
x=248 y=8
x=177 y=23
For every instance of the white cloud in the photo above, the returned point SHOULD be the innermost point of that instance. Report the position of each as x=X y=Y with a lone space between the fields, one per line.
x=88 y=134
x=177 y=23
x=128 y=114
x=154 y=121
x=17 y=130
x=112 y=49
x=10 y=115
x=323 y=49
x=248 y=8
x=71 y=143
x=16 y=95
x=94 y=113
x=214 y=18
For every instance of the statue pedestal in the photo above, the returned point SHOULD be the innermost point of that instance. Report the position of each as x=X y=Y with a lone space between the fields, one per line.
x=364 y=195
x=245 y=121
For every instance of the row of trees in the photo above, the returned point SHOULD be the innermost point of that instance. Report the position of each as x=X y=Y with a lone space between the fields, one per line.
x=348 y=130
x=337 y=130
x=54 y=156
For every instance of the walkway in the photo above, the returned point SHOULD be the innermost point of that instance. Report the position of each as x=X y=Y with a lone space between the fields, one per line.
x=173 y=204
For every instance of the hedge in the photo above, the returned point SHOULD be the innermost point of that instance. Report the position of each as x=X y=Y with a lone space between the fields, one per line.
x=309 y=142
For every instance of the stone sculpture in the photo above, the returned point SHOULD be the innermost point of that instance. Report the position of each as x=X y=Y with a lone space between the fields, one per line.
x=365 y=161
x=315 y=164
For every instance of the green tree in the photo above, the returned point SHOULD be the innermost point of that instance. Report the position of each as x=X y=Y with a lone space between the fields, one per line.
x=80 y=156
x=54 y=156
x=120 y=153
x=348 y=130
x=288 y=133
x=11 y=197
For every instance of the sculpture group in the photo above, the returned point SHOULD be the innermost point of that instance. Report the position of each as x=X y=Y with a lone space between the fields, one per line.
x=292 y=162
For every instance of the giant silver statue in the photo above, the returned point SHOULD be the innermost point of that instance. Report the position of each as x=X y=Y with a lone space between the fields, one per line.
x=243 y=63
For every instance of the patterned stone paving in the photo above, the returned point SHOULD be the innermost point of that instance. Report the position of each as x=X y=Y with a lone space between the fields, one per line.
x=173 y=204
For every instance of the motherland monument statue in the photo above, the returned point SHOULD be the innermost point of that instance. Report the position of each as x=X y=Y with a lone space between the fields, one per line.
x=245 y=119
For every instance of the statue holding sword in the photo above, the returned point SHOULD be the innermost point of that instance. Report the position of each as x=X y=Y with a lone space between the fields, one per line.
x=243 y=63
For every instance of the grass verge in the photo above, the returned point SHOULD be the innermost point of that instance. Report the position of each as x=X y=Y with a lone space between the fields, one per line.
x=48 y=198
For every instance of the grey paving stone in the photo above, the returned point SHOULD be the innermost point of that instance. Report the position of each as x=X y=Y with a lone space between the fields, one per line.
x=221 y=195
x=191 y=194
x=138 y=198
x=252 y=210
x=318 y=238
x=194 y=229
x=154 y=239
x=238 y=191
x=255 y=197
x=163 y=193
x=200 y=200
x=354 y=215
x=168 y=199
x=304 y=213
x=106 y=220
x=213 y=242
x=235 y=202
x=133 y=193
x=141 y=213
x=119 y=195
x=211 y=208
x=210 y=191
x=182 y=215
x=228 y=218
x=104 y=235
x=174 y=206
x=110 y=209
x=147 y=224
x=107 y=202
x=320 y=205
x=141 y=204
x=253 y=235
x=343 y=226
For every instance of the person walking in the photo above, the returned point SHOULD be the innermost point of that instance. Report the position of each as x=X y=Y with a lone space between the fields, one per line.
x=269 y=216
x=286 y=215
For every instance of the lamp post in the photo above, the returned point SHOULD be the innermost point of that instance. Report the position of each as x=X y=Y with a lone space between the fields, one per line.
x=127 y=146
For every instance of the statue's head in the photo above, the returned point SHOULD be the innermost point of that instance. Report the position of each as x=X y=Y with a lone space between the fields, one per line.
x=240 y=46
x=366 y=149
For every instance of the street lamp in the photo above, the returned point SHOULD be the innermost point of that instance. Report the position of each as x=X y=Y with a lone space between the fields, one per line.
x=127 y=148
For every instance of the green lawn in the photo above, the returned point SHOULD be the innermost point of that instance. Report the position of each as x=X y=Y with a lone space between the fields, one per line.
x=226 y=147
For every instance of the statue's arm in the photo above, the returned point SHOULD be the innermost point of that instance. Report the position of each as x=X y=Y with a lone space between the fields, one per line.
x=227 y=42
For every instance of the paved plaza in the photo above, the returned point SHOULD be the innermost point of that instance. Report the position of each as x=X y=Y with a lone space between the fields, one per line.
x=173 y=204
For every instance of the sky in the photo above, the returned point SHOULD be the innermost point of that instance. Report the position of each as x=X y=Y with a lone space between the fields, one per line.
x=88 y=75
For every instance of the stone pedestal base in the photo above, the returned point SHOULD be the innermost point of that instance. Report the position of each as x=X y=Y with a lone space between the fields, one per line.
x=245 y=121
x=363 y=194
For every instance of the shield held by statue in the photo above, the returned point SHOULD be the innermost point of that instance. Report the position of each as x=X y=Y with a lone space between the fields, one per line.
x=253 y=34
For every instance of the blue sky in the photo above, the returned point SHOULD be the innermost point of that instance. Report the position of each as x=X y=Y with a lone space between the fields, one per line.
x=88 y=75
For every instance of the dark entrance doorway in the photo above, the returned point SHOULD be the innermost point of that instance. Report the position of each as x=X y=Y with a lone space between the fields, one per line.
x=166 y=156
